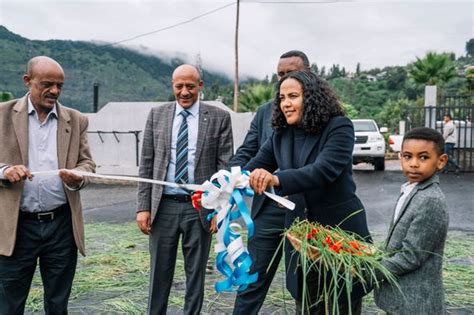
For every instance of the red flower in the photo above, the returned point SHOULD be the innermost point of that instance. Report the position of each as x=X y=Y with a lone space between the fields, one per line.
x=328 y=240
x=354 y=244
x=336 y=247
x=312 y=233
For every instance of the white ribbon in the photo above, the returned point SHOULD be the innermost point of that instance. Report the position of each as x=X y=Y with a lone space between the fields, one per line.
x=214 y=193
x=191 y=187
x=218 y=198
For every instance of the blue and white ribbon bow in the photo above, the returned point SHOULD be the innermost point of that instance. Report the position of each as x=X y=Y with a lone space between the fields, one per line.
x=229 y=194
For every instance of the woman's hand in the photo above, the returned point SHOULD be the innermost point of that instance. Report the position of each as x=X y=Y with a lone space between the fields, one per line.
x=260 y=179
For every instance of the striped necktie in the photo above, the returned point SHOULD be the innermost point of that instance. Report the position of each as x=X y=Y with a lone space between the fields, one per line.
x=181 y=173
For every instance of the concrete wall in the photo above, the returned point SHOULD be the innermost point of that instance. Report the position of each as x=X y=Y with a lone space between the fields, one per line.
x=117 y=153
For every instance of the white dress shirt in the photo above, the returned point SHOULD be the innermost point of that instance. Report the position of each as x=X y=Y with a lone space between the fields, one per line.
x=43 y=193
x=193 y=124
x=405 y=191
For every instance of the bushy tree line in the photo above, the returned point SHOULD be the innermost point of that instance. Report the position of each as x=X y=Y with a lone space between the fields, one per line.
x=383 y=94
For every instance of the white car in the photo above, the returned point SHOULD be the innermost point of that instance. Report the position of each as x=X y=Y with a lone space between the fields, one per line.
x=395 y=142
x=369 y=144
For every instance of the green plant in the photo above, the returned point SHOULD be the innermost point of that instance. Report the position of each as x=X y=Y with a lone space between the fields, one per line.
x=433 y=69
x=6 y=96
x=255 y=95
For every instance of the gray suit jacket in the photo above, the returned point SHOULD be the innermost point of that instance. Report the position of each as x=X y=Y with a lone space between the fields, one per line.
x=417 y=241
x=214 y=148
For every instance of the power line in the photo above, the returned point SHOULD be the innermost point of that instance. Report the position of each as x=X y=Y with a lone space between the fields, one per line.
x=221 y=8
x=174 y=25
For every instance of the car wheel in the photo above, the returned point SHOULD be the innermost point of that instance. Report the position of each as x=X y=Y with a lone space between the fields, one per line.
x=379 y=164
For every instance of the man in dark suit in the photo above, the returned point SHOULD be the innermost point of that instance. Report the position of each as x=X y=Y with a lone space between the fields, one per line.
x=268 y=216
x=40 y=218
x=186 y=141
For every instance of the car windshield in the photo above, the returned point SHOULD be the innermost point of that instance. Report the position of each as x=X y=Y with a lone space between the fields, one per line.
x=364 y=126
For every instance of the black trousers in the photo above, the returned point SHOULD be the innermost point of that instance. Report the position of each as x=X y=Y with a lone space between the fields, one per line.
x=269 y=225
x=175 y=220
x=52 y=245
x=317 y=306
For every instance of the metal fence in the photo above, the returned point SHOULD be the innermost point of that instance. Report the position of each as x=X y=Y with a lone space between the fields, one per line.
x=432 y=116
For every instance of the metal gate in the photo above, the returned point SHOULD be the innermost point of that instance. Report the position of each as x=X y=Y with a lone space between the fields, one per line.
x=461 y=109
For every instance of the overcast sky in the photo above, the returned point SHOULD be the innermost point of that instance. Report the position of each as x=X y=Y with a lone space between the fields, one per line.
x=374 y=33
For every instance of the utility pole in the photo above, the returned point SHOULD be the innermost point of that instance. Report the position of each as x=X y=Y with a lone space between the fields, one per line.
x=236 y=79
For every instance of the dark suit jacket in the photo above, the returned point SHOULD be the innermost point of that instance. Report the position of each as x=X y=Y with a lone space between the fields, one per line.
x=73 y=153
x=214 y=148
x=260 y=130
x=417 y=240
x=320 y=182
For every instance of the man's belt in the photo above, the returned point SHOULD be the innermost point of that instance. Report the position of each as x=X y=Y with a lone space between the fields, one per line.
x=45 y=216
x=179 y=198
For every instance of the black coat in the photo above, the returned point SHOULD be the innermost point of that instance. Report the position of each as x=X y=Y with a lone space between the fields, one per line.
x=259 y=132
x=320 y=182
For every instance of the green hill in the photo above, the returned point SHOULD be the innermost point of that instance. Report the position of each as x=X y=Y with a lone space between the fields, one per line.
x=122 y=74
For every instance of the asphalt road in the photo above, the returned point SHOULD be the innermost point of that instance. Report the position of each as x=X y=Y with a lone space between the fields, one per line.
x=377 y=190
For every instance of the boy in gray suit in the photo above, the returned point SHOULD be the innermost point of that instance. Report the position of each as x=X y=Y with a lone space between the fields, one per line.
x=418 y=230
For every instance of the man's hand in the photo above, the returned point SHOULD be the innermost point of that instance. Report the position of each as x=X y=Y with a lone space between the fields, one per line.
x=70 y=179
x=196 y=198
x=213 y=227
x=144 y=221
x=260 y=179
x=17 y=173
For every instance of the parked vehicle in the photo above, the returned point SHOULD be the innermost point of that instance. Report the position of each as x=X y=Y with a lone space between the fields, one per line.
x=395 y=142
x=369 y=144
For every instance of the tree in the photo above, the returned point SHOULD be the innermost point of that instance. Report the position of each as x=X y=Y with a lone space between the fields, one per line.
x=393 y=111
x=395 y=78
x=315 y=68
x=470 y=78
x=358 y=69
x=350 y=110
x=322 y=73
x=470 y=47
x=5 y=96
x=434 y=69
x=255 y=95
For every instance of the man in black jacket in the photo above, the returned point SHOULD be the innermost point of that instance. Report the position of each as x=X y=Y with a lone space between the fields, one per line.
x=268 y=216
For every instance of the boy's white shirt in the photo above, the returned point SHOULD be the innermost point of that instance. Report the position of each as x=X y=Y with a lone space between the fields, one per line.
x=405 y=191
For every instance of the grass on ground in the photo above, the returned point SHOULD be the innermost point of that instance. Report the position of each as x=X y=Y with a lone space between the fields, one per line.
x=113 y=278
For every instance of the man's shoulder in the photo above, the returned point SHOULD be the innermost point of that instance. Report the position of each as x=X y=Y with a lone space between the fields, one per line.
x=265 y=106
x=157 y=110
x=213 y=110
x=73 y=113
x=9 y=105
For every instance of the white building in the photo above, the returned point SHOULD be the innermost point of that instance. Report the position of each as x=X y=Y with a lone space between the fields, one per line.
x=116 y=133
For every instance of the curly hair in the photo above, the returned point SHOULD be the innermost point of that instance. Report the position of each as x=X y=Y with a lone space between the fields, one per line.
x=320 y=103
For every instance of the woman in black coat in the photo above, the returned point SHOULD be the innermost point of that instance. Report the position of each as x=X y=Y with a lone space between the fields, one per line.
x=311 y=152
